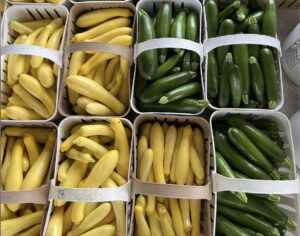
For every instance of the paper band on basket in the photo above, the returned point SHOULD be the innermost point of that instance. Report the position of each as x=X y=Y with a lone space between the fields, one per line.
x=212 y=43
x=53 y=55
x=168 y=43
x=101 y=47
x=89 y=194
x=172 y=190
x=38 y=196
x=222 y=183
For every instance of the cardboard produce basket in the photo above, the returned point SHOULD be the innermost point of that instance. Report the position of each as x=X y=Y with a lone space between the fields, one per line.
x=30 y=13
x=150 y=7
x=173 y=190
x=38 y=195
x=287 y=189
x=77 y=10
x=121 y=193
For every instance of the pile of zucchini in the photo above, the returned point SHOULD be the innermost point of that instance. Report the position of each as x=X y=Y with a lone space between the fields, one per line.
x=167 y=80
x=250 y=149
x=242 y=75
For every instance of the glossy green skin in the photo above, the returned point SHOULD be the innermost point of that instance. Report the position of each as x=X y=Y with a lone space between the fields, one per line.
x=212 y=76
x=183 y=91
x=269 y=21
x=169 y=64
x=226 y=28
x=224 y=88
x=192 y=33
x=186 y=105
x=269 y=72
x=212 y=18
x=224 y=226
x=241 y=57
x=178 y=28
x=139 y=85
x=229 y=10
x=161 y=86
x=258 y=206
x=235 y=82
x=246 y=219
x=163 y=27
x=257 y=80
x=223 y=167
x=148 y=60
x=248 y=148
x=259 y=138
x=186 y=64
x=253 y=28
x=236 y=160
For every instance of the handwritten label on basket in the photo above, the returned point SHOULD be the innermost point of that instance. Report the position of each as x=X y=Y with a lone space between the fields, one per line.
x=292 y=54
x=89 y=194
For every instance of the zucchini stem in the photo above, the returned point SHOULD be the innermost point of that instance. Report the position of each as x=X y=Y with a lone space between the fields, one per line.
x=290 y=225
x=274 y=198
x=287 y=163
x=163 y=100
x=275 y=174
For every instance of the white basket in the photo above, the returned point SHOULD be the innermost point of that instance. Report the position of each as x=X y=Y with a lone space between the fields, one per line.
x=157 y=189
x=97 y=1
x=289 y=202
x=78 y=9
x=29 y=13
x=149 y=7
x=63 y=132
x=243 y=39
x=38 y=195
x=63 y=2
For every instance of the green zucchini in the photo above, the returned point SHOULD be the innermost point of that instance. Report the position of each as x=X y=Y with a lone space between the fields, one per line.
x=224 y=169
x=252 y=104
x=169 y=64
x=186 y=62
x=269 y=72
x=241 y=57
x=269 y=21
x=248 y=220
x=253 y=28
x=181 y=92
x=261 y=140
x=226 y=28
x=257 y=80
x=212 y=76
x=248 y=148
x=186 y=105
x=163 y=27
x=212 y=18
x=178 y=28
x=260 y=207
x=192 y=33
x=227 y=228
x=159 y=87
x=235 y=82
x=242 y=12
x=250 y=231
x=147 y=61
x=224 y=88
x=243 y=25
x=139 y=85
x=228 y=11
x=236 y=160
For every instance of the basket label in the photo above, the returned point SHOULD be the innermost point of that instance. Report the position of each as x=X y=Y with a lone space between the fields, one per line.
x=89 y=194
x=37 y=196
x=292 y=54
